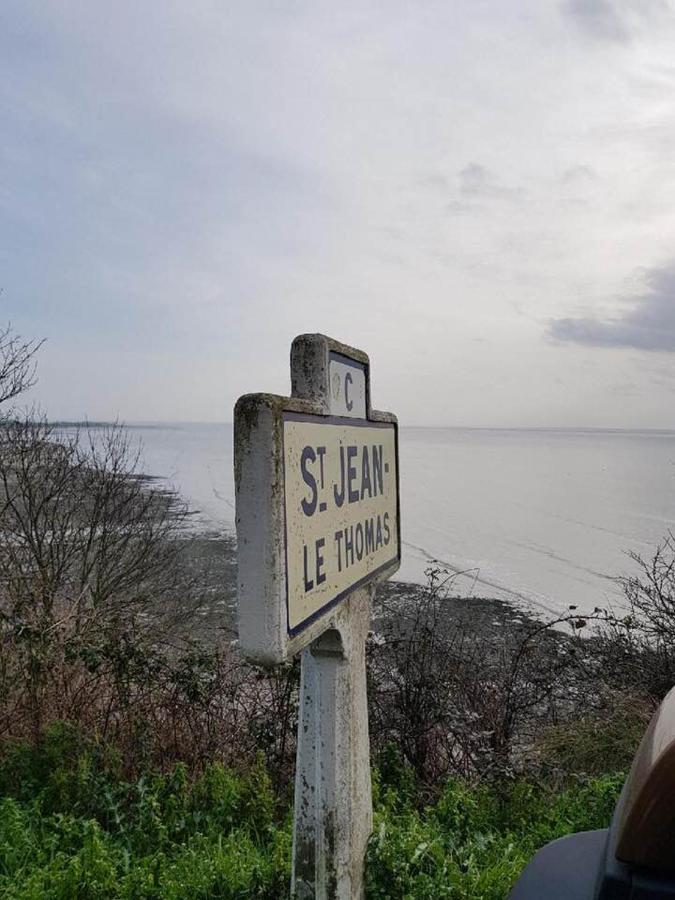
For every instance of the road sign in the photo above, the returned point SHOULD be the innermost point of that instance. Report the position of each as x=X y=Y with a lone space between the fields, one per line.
x=317 y=498
x=316 y=477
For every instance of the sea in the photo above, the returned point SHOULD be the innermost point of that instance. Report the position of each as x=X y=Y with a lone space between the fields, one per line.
x=544 y=518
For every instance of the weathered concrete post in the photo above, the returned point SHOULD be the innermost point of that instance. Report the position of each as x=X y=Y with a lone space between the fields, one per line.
x=333 y=805
x=317 y=525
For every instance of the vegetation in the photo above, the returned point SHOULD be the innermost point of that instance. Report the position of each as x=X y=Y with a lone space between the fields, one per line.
x=139 y=762
x=637 y=642
x=474 y=841
x=72 y=826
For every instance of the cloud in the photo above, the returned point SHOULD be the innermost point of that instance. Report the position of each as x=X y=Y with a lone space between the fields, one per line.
x=648 y=325
x=257 y=170
x=579 y=174
x=599 y=18
x=617 y=21
x=476 y=182
x=470 y=189
x=472 y=182
x=435 y=181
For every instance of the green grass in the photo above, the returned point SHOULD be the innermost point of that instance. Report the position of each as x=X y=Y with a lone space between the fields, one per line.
x=72 y=827
x=474 y=842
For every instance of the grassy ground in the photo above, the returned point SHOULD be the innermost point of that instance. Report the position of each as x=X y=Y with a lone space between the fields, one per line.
x=72 y=827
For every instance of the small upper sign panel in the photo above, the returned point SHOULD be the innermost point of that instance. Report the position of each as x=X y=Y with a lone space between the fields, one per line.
x=347 y=381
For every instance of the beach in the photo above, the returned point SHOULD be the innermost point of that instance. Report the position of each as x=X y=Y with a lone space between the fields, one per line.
x=211 y=559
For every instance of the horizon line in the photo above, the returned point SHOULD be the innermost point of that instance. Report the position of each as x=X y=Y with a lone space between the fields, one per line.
x=167 y=423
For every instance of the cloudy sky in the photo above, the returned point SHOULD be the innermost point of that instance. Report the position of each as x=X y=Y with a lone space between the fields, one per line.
x=479 y=194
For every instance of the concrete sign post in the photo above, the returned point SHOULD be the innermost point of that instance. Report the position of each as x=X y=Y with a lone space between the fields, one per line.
x=317 y=526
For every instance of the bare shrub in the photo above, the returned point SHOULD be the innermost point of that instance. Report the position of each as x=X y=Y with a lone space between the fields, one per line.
x=17 y=364
x=88 y=567
x=603 y=738
x=636 y=644
x=456 y=698
x=98 y=620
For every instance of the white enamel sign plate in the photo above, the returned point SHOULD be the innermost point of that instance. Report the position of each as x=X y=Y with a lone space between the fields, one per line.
x=341 y=509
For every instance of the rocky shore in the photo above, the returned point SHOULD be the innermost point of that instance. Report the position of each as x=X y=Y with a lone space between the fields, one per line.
x=212 y=561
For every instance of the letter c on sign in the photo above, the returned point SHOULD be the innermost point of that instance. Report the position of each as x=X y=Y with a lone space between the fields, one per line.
x=348 y=401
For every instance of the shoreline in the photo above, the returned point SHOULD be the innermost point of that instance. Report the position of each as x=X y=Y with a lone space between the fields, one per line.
x=212 y=561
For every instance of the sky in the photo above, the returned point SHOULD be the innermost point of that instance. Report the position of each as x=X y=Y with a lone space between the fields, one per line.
x=481 y=195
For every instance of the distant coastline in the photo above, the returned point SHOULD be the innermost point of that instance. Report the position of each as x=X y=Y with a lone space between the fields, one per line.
x=501 y=429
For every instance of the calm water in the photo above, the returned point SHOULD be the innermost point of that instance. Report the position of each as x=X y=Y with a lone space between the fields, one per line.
x=544 y=516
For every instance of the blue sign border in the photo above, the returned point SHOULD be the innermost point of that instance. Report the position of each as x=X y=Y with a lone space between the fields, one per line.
x=352 y=423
